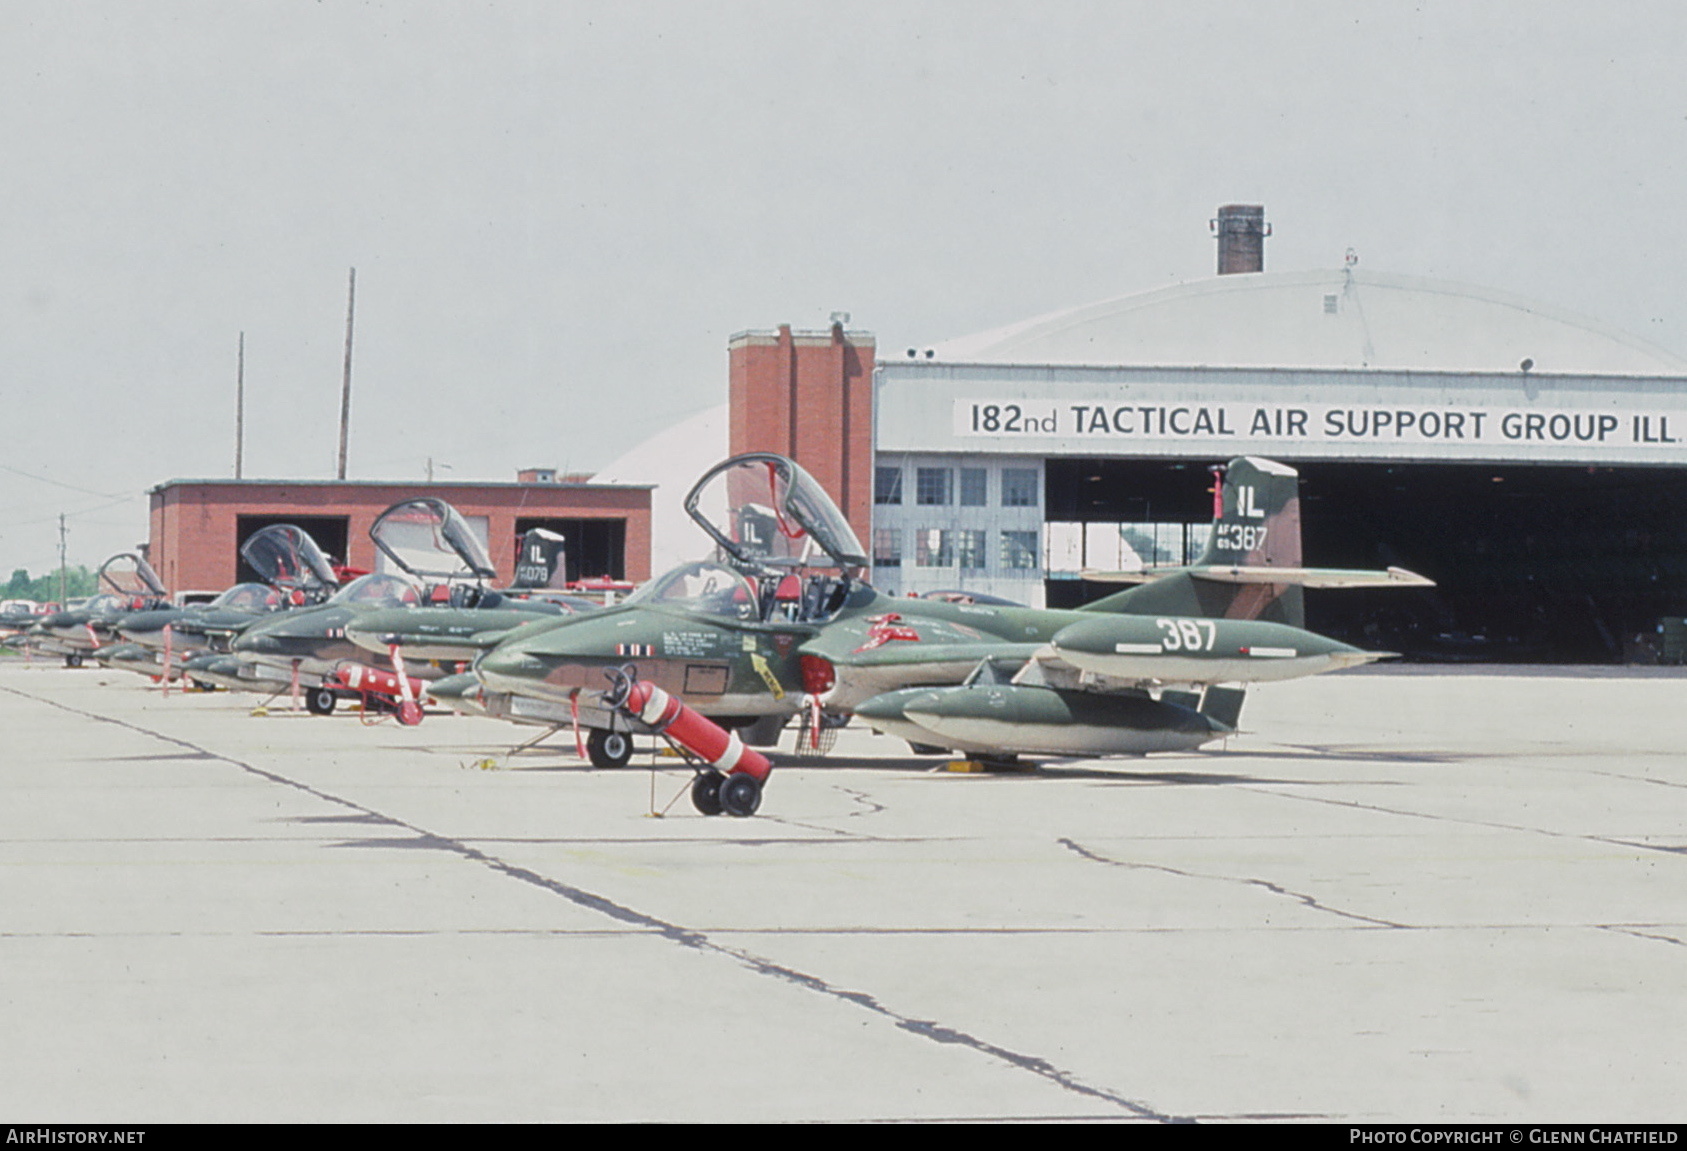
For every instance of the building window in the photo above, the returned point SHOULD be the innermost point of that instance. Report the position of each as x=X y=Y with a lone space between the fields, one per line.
x=887 y=485
x=1019 y=487
x=975 y=483
x=887 y=548
x=931 y=487
x=1019 y=551
x=969 y=549
x=934 y=548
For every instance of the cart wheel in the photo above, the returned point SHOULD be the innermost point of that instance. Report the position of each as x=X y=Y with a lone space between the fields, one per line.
x=740 y=795
x=705 y=792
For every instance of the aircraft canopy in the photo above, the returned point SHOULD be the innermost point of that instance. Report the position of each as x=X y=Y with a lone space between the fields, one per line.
x=427 y=537
x=764 y=508
x=285 y=556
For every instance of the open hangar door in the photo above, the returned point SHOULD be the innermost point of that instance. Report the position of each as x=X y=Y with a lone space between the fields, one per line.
x=595 y=548
x=1548 y=564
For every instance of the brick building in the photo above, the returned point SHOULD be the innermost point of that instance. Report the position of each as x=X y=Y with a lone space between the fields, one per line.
x=809 y=395
x=197 y=526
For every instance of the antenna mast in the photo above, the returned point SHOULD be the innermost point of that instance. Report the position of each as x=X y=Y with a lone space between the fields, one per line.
x=240 y=409
x=345 y=386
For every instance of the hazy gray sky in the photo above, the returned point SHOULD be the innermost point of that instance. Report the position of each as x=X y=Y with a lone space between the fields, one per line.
x=560 y=212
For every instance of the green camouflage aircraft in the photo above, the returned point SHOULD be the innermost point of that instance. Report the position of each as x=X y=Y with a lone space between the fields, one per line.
x=438 y=590
x=781 y=623
x=160 y=641
x=126 y=584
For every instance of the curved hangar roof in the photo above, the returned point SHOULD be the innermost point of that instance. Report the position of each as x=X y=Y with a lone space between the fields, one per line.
x=1324 y=319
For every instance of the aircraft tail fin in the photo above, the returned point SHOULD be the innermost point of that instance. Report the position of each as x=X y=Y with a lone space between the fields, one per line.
x=542 y=561
x=1256 y=525
x=1251 y=568
x=1256 y=516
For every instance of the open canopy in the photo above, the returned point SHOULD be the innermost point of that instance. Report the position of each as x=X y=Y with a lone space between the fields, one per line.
x=763 y=508
x=285 y=556
x=429 y=538
x=128 y=574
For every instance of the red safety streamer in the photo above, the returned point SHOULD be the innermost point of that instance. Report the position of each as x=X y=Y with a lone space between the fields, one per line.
x=574 y=710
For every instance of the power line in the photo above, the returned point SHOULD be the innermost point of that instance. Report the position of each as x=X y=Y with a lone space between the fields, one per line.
x=61 y=484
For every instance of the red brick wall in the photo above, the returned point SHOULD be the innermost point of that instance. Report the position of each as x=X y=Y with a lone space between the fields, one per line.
x=195 y=524
x=809 y=395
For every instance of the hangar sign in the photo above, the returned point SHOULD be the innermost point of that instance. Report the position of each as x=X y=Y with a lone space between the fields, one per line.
x=1254 y=426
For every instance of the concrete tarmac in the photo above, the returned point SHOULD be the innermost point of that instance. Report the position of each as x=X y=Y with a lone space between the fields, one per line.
x=1398 y=896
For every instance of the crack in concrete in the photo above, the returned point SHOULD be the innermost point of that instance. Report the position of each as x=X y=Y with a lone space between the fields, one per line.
x=1619 y=929
x=869 y=805
x=1609 y=841
x=924 y=1028
x=1274 y=888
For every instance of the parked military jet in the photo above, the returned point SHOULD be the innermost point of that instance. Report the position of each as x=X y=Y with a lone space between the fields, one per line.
x=442 y=563
x=475 y=619
x=126 y=583
x=160 y=640
x=782 y=623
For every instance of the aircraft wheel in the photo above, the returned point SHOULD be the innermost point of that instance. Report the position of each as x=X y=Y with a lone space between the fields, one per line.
x=740 y=795
x=926 y=748
x=609 y=748
x=73 y=660
x=705 y=792
x=320 y=701
x=409 y=713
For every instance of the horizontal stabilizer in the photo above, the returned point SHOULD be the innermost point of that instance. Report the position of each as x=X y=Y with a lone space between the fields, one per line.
x=1285 y=576
x=1139 y=575
x=1313 y=577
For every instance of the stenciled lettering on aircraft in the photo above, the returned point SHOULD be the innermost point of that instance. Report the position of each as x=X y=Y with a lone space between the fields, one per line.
x=1318 y=423
x=688 y=643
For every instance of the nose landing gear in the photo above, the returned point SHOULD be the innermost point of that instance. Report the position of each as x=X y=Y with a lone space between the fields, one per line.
x=608 y=749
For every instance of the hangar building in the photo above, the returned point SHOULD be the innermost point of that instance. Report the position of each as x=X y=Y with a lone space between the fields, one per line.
x=1527 y=460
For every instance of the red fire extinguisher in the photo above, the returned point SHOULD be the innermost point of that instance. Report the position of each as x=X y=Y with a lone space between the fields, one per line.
x=731 y=776
x=376 y=681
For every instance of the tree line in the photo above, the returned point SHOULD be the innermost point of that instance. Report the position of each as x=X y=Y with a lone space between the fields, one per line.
x=78 y=581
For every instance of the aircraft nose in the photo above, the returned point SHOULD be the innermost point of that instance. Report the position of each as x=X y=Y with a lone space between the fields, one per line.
x=511 y=664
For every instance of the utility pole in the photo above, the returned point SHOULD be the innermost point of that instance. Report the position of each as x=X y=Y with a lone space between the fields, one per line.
x=345 y=386
x=240 y=409
x=62 y=531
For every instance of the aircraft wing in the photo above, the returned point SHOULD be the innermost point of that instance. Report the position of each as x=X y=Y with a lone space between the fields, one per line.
x=913 y=654
x=442 y=634
x=875 y=655
x=892 y=639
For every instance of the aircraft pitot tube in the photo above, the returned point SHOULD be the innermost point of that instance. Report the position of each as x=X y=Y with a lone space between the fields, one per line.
x=732 y=778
